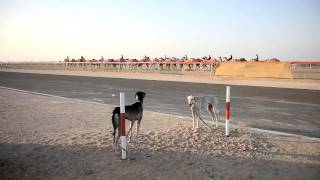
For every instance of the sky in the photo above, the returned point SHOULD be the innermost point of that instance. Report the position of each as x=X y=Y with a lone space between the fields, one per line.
x=50 y=30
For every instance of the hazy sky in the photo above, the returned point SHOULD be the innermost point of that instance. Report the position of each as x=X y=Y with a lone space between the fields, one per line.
x=53 y=29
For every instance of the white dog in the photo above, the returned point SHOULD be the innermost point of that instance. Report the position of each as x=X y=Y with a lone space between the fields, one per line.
x=197 y=103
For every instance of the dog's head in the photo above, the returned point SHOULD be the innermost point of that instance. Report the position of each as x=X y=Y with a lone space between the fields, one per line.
x=140 y=95
x=191 y=100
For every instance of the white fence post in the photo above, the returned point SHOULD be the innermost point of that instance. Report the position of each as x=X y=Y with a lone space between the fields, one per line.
x=123 y=127
x=227 y=109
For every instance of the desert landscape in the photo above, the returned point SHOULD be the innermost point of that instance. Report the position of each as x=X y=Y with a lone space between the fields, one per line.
x=47 y=137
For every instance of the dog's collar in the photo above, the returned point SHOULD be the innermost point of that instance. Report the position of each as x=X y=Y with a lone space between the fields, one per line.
x=140 y=102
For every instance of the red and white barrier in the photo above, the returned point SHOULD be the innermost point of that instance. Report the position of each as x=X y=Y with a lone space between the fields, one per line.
x=227 y=109
x=123 y=127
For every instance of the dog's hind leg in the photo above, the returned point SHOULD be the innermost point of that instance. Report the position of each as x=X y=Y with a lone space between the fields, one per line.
x=212 y=113
x=114 y=137
x=193 y=117
x=215 y=116
x=118 y=137
x=115 y=123
x=198 y=123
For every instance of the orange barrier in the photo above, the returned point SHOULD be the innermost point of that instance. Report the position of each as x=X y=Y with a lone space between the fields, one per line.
x=255 y=70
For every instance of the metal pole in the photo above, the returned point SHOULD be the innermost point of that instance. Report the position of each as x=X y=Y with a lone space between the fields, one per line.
x=227 y=109
x=123 y=127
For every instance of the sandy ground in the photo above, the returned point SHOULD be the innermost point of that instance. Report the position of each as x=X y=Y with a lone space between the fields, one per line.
x=45 y=137
x=188 y=77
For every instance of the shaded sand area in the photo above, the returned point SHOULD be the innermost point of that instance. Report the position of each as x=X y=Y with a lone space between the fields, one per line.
x=45 y=137
x=195 y=77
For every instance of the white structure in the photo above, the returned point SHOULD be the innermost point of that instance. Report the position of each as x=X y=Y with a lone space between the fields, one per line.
x=123 y=127
x=227 y=109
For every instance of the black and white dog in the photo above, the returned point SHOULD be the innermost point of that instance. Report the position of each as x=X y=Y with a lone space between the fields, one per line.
x=197 y=103
x=133 y=113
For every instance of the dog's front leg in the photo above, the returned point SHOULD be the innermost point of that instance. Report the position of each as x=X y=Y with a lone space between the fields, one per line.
x=130 y=131
x=197 y=113
x=138 y=128
x=203 y=121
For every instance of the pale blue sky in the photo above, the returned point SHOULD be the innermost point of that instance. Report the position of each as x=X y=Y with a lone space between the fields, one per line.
x=35 y=30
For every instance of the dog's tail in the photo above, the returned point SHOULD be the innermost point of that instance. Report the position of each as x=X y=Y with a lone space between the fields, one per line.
x=116 y=110
x=115 y=118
